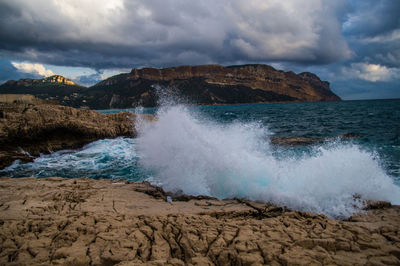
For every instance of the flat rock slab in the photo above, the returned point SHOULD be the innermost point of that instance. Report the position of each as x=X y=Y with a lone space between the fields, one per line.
x=53 y=221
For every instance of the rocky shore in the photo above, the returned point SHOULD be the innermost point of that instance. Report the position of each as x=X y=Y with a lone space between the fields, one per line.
x=61 y=221
x=29 y=126
x=56 y=221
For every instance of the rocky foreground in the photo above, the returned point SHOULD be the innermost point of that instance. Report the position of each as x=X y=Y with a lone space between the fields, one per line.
x=30 y=126
x=88 y=222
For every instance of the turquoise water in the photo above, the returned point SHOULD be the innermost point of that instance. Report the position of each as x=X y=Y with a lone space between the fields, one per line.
x=377 y=122
x=224 y=151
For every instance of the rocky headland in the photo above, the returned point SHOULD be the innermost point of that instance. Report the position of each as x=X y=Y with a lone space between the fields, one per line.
x=55 y=88
x=30 y=126
x=60 y=221
x=211 y=84
x=204 y=84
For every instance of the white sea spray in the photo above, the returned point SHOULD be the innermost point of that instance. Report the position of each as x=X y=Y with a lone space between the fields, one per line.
x=199 y=156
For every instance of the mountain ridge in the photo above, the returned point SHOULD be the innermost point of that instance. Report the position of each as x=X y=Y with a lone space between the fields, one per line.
x=203 y=84
x=56 y=79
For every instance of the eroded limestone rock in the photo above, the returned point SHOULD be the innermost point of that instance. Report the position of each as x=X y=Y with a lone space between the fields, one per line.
x=87 y=222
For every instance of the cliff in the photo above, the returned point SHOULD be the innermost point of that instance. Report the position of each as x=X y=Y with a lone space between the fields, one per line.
x=304 y=87
x=207 y=84
x=27 y=129
x=213 y=84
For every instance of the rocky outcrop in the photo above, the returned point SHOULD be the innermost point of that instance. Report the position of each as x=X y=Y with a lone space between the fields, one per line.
x=57 y=79
x=27 y=129
x=206 y=84
x=301 y=141
x=52 y=80
x=55 y=88
x=55 y=221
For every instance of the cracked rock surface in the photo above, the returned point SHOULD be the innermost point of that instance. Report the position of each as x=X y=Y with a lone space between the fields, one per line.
x=56 y=221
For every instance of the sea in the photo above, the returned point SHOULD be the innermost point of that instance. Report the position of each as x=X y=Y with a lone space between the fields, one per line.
x=226 y=151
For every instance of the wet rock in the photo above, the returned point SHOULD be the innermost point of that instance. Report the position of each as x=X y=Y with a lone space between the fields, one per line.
x=351 y=136
x=159 y=193
x=295 y=141
x=374 y=205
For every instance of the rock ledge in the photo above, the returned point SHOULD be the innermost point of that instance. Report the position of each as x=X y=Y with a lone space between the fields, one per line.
x=55 y=221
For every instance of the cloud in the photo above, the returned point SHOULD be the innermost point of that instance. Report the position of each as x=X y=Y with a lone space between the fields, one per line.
x=87 y=80
x=371 y=72
x=373 y=31
x=122 y=33
x=35 y=69
x=371 y=18
x=93 y=78
x=10 y=72
x=362 y=89
x=328 y=37
x=393 y=36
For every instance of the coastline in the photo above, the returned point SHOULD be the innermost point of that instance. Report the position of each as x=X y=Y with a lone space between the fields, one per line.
x=30 y=127
x=104 y=222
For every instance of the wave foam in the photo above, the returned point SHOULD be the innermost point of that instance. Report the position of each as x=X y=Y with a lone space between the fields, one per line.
x=199 y=156
x=107 y=158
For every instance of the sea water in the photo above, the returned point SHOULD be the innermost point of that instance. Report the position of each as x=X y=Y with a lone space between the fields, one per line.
x=225 y=152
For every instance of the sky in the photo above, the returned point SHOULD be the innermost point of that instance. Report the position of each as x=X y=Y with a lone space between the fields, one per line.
x=353 y=44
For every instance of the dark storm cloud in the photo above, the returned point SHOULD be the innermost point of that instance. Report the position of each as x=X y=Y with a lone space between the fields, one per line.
x=383 y=52
x=121 y=33
x=351 y=41
x=373 y=17
x=373 y=32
